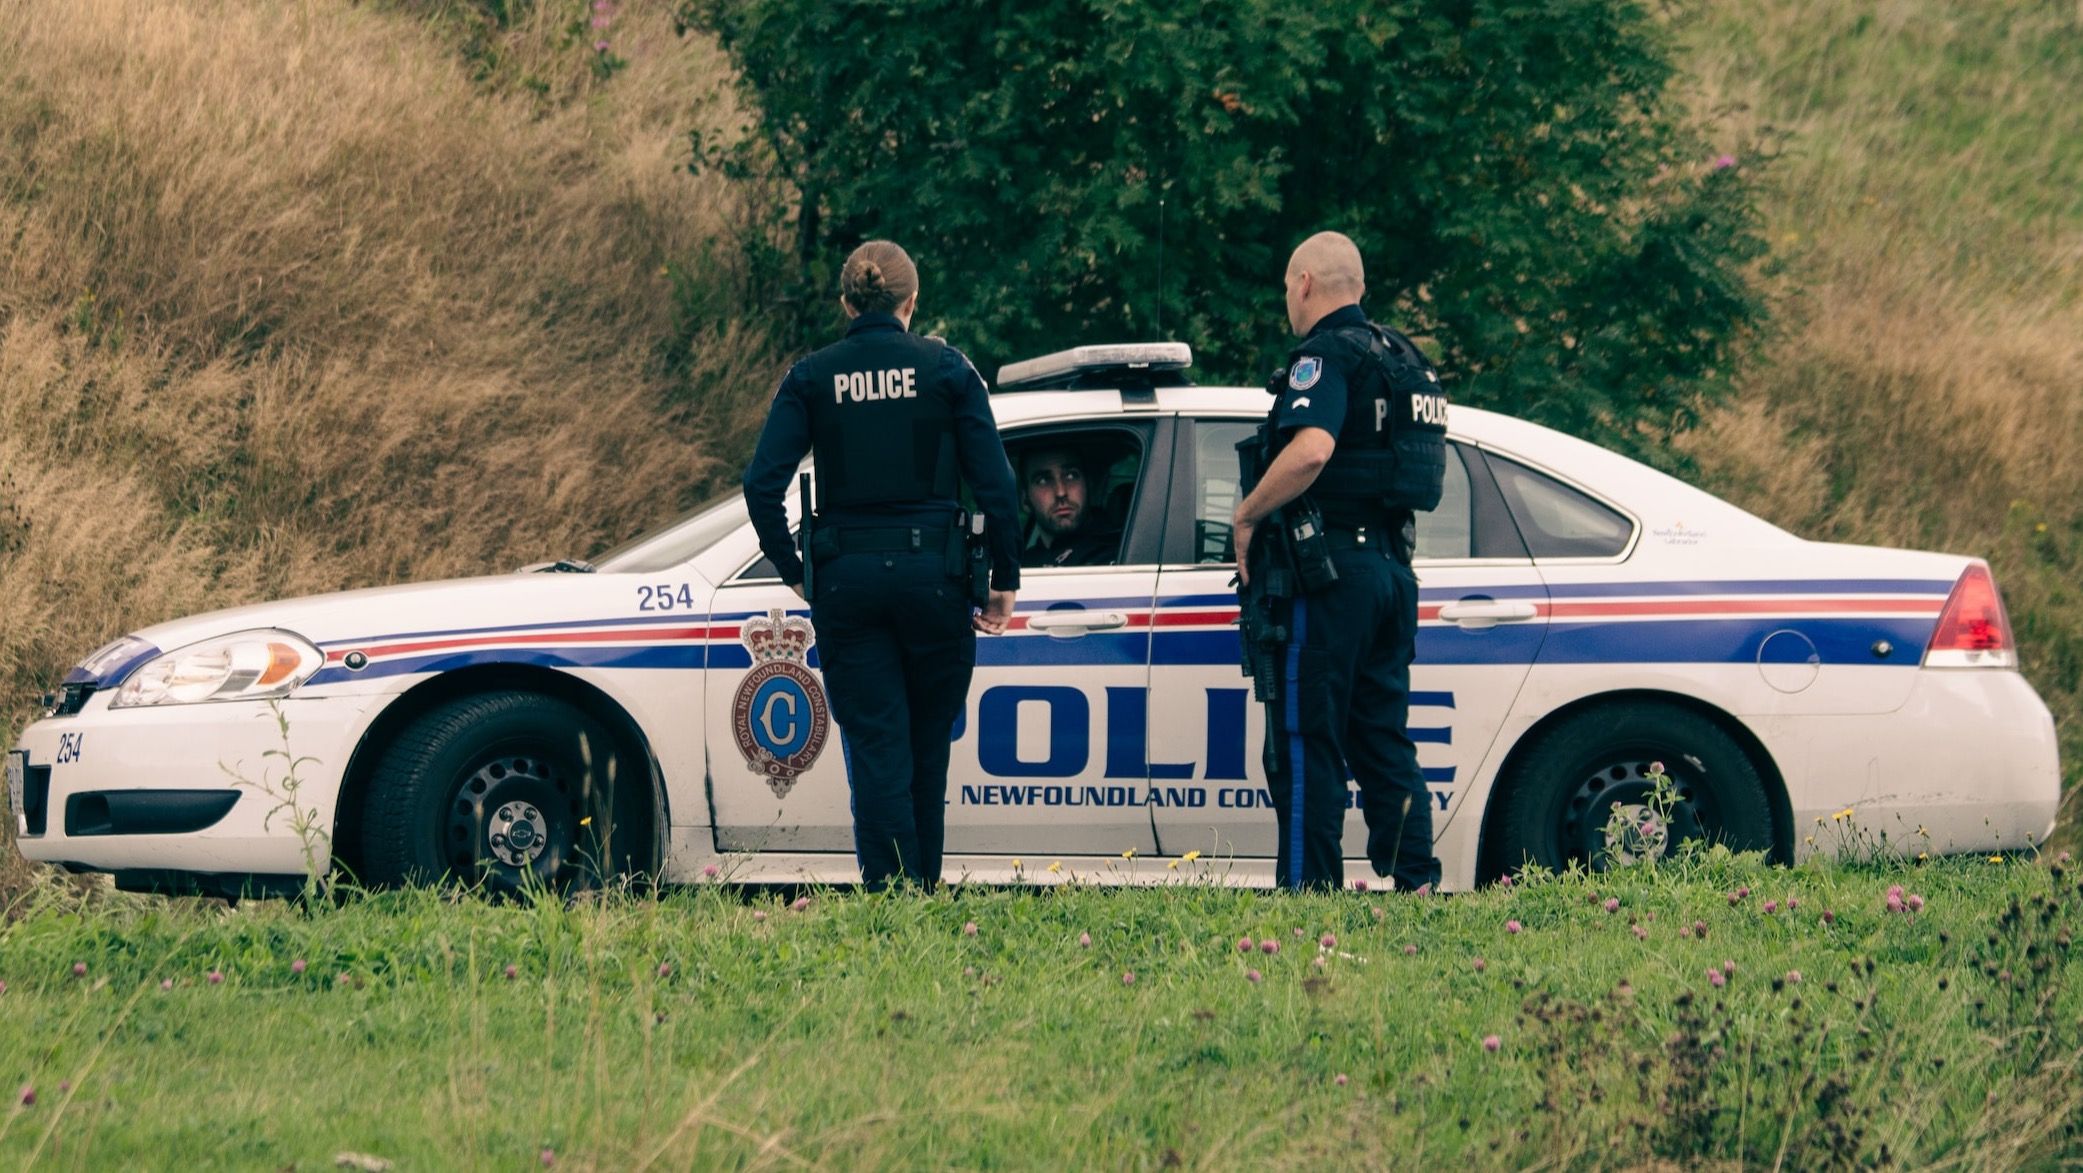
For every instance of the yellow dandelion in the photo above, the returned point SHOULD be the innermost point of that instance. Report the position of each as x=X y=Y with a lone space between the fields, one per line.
x=1172 y=865
x=1016 y=865
x=1129 y=854
x=1056 y=867
x=1811 y=841
x=1995 y=859
x=1190 y=856
x=586 y=820
x=1842 y=815
x=1923 y=855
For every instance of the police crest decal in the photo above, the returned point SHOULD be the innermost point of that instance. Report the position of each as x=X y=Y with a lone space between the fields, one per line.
x=779 y=714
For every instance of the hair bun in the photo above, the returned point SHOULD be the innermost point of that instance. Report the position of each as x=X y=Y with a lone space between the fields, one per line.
x=871 y=277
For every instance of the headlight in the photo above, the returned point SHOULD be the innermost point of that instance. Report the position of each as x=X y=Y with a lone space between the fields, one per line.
x=248 y=666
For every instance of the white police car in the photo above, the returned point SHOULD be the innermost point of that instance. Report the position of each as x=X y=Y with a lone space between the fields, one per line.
x=1581 y=617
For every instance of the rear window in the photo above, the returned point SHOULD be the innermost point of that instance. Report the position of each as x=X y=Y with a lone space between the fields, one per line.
x=1558 y=521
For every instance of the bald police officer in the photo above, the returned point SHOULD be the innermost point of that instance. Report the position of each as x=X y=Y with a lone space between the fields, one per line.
x=897 y=421
x=1358 y=424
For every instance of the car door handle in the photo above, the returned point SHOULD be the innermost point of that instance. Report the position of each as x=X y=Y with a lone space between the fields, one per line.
x=1076 y=622
x=1477 y=614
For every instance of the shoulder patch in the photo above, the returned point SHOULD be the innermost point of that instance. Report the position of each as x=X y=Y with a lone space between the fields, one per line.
x=1306 y=371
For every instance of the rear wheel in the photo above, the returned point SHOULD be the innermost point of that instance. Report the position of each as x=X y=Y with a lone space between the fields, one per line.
x=1561 y=792
x=513 y=789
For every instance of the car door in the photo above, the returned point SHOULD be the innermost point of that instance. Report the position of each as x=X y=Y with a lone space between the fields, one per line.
x=1482 y=616
x=1049 y=758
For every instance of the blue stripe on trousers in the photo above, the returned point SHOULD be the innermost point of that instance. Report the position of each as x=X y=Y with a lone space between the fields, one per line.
x=1294 y=744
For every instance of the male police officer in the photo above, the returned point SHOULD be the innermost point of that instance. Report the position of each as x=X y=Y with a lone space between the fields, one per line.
x=1068 y=529
x=894 y=419
x=1358 y=424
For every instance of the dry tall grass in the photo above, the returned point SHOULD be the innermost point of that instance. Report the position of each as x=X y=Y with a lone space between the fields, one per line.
x=289 y=302
x=1926 y=388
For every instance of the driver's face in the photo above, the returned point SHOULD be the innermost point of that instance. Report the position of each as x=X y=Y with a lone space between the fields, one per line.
x=1056 y=492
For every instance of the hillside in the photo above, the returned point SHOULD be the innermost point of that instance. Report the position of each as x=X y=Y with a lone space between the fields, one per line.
x=296 y=297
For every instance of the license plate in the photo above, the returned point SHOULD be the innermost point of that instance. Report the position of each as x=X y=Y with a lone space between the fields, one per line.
x=17 y=785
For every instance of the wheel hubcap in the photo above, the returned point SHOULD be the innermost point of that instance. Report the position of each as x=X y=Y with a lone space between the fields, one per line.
x=515 y=813
x=517 y=833
x=1609 y=821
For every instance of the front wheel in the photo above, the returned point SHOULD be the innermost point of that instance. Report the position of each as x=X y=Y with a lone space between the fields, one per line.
x=1581 y=793
x=513 y=789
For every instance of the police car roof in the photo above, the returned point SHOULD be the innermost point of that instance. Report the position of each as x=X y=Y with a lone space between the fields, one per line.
x=1108 y=367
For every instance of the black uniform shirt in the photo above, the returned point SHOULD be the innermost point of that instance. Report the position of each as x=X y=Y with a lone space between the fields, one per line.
x=980 y=457
x=1318 y=381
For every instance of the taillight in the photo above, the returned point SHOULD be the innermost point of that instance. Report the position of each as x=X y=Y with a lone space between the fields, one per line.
x=1973 y=631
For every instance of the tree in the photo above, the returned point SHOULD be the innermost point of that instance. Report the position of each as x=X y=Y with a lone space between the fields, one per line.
x=1071 y=171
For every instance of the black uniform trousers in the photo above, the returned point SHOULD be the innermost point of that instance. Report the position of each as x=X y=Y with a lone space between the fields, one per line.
x=1343 y=713
x=897 y=651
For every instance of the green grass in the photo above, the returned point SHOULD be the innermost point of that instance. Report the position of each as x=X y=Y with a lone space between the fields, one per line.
x=871 y=1031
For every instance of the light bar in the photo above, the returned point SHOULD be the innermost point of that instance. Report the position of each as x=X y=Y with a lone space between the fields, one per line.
x=1067 y=365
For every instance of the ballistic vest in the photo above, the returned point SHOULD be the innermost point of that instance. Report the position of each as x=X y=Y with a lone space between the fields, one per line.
x=1391 y=454
x=881 y=420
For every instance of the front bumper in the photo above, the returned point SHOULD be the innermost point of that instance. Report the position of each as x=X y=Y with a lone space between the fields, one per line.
x=118 y=778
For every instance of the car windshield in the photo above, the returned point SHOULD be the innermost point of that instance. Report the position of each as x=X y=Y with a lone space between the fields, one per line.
x=677 y=541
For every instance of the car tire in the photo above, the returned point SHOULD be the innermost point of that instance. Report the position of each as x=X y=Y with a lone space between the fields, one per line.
x=511 y=789
x=1559 y=790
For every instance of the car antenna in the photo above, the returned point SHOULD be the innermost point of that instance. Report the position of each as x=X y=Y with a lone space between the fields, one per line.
x=1160 y=266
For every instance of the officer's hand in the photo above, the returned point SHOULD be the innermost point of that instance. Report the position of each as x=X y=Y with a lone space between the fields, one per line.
x=1240 y=536
x=995 y=615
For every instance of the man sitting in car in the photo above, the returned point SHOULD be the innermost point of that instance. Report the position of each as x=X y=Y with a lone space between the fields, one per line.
x=1068 y=529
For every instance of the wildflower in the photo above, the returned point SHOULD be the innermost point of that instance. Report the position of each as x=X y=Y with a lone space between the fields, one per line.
x=1319 y=961
x=969 y=928
x=1327 y=941
x=1298 y=930
x=1685 y=931
x=1379 y=913
x=1728 y=967
x=1172 y=865
x=216 y=977
x=1612 y=904
x=166 y=983
x=1253 y=976
x=28 y=1095
x=1716 y=977
x=1916 y=902
x=1512 y=927
x=1128 y=978
x=3 y=986
x=1480 y=965
x=1743 y=893
x=1129 y=854
x=344 y=979
x=969 y=971
x=1340 y=1080
x=665 y=969
x=1641 y=934
x=600 y=46
x=64 y=1085
x=79 y=969
x=2063 y=858
x=1793 y=977
x=759 y=914
x=1771 y=906
x=601 y=22
x=1410 y=950
x=1829 y=918
x=1792 y=903
x=1894 y=902
x=549 y=1158
x=1084 y=940
x=512 y=972
x=1243 y=944
x=1359 y=885
x=1055 y=867
x=297 y=966
x=1734 y=899
x=1504 y=881
x=1424 y=889
x=1995 y=859
x=801 y=904
x=709 y=870
x=1492 y=1042
x=1699 y=929
x=1016 y=865
x=1842 y=815
x=1190 y=856
x=1269 y=945
x=1724 y=162
x=1656 y=767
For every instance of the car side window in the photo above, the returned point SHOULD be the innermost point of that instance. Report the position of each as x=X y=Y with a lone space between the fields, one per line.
x=1556 y=520
x=1077 y=493
x=1445 y=532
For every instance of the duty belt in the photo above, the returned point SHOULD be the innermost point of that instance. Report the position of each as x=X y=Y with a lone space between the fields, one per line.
x=1364 y=537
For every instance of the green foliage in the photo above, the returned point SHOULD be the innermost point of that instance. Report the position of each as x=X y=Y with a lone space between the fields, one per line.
x=1513 y=171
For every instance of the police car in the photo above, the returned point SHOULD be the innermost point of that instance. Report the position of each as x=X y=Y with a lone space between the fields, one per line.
x=1583 y=617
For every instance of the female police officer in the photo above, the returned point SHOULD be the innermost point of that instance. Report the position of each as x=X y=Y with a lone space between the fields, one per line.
x=894 y=419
